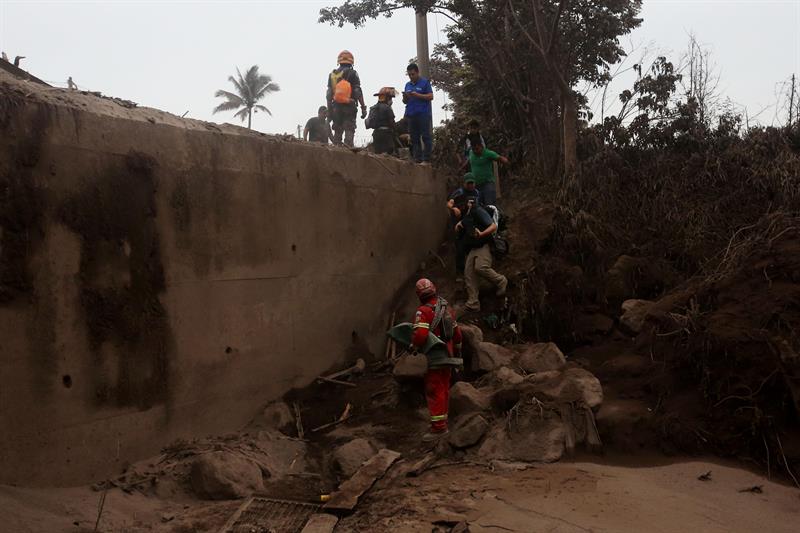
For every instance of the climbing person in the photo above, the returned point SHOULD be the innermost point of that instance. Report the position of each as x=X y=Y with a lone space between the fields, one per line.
x=71 y=84
x=481 y=163
x=381 y=119
x=479 y=228
x=457 y=205
x=343 y=96
x=434 y=316
x=317 y=129
x=473 y=132
x=417 y=96
x=469 y=189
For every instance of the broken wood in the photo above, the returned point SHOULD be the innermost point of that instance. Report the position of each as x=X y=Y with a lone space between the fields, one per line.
x=389 y=340
x=346 y=498
x=357 y=368
x=335 y=381
x=344 y=416
x=320 y=523
x=567 y=418
x=298 y=421
x=423 y=464
x=593 y=441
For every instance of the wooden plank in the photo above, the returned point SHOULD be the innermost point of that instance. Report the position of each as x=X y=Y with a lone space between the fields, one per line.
x=346 y=498
x=320 y=523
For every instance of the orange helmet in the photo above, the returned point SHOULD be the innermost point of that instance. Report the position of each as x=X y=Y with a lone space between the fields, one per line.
x=425 y=289
x=385 y=92
x=345 y=57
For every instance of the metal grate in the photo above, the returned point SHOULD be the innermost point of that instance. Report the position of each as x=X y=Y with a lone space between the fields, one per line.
x=268 y=515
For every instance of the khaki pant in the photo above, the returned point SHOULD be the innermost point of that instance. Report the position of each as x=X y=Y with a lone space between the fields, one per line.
x=479 y=272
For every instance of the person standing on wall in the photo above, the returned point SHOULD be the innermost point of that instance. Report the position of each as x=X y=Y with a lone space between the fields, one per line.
x=417 y=96
x=481 y=162
x=381 y=119
x=317 y=128
x=343 y=96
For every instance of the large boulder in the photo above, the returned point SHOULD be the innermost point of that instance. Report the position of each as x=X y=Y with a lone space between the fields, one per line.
x=348 y=458
x=571 y=385
x=634 y=313
x=489 y=356
x=536 y=439
x=468 y=431
x=409 y=367
x=464 y=398
x=541 y=357
x=281 y=455
x=224 y=475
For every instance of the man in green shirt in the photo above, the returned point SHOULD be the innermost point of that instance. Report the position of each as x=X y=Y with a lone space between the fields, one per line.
x=481 y=162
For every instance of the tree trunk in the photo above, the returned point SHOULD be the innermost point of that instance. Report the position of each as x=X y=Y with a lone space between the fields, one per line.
x=249 y=117
x=569 y=116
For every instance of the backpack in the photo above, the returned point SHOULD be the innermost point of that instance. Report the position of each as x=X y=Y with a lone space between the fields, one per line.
x=342 y=88
x=441 y=315
x=499 y=244
x=498 y=217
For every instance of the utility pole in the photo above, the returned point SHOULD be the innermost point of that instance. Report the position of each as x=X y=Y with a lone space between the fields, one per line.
x=423 y=55
x=791 y=104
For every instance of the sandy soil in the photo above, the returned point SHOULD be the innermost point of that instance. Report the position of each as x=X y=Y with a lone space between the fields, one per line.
x=559 y=498
x=580 y=497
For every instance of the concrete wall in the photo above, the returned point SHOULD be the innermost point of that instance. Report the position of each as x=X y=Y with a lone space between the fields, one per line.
x=163 y=279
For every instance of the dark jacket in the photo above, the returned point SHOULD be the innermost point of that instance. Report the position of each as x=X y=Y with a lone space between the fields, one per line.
x=380 y=116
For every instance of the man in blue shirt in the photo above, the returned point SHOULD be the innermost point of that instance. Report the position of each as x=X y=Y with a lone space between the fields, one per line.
x=417 y=96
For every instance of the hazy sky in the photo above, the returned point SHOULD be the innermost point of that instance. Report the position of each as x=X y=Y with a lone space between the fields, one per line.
x=174 y=55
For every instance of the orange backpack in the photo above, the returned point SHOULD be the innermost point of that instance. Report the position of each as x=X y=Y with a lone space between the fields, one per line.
x=343 y=92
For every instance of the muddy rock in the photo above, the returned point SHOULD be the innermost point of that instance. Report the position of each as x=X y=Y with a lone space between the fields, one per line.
x=349 y=457
x=491 y=356
x=571 y=385
x=507 y=377
x=277 y=416
x=541 y=357
x=535 y=439
x=410 y=367
x=281 y=455
x=472 y=334
x=464 y=398
x=223 y=475
x=468 y=431
x=633 y=315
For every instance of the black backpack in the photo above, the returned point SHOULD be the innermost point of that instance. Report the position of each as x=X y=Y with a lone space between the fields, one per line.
x=499 y=243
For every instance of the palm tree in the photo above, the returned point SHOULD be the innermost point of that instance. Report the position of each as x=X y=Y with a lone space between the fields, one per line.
x=250 y=88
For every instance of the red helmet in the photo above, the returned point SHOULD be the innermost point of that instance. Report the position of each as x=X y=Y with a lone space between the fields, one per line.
x=425 y=289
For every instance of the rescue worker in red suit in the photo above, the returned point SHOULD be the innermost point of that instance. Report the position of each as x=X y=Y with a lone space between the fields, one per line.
x=435 y=315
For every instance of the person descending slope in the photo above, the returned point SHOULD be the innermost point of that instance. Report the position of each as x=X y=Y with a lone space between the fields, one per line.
x=436 y=334
x=343 y=96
